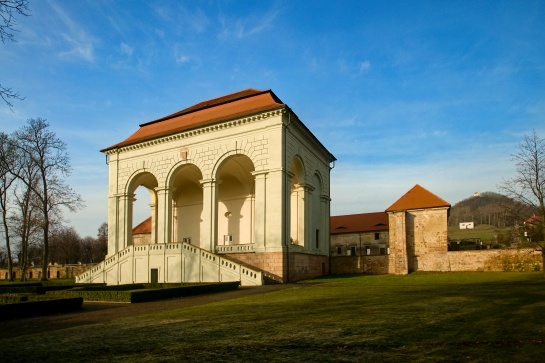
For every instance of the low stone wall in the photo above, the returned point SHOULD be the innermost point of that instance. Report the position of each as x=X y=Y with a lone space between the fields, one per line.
x=496 y=260
x=53 y=272
x=376 y=265
x=481 y=260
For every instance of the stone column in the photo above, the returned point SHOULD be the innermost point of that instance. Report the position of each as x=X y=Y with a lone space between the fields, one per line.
x=113 y=226
x=124 y=220
x=209 y=226
x=324 y=228
x=303 y=217
x=164 y=214
x=260 y=209
x=153 y=238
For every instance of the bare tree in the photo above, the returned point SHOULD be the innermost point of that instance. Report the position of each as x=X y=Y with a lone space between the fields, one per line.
x=25 y=223
x=7 y=181
x=8 y=10
x=38 y=143
x=101 y=247
x=528 y=184
x=66 y=246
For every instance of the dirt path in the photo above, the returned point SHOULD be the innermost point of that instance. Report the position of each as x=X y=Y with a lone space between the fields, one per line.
x=92 y=313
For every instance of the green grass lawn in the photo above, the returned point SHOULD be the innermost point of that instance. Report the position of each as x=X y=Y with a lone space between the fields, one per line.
x=422 y=317
x=485 y=232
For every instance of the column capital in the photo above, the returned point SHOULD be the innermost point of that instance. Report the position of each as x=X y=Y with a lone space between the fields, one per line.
x=305 y=187
x=325 y=198
x=164 y=189
x=260 y=173
x=210 y=182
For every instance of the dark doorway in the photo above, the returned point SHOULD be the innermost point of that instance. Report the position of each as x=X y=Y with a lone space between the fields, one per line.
x=154 y=275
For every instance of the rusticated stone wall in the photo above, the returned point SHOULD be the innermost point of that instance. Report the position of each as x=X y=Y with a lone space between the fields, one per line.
x=274 y=264
x=376 y=265
x=483 y=260
x=496 y=260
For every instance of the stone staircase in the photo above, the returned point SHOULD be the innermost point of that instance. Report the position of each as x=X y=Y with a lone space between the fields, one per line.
x=169 y=263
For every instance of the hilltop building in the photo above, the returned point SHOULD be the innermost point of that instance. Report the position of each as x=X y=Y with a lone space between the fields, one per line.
x=239 y=189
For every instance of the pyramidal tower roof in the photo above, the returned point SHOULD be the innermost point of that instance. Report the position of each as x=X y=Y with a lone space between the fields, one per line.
x=418 y=198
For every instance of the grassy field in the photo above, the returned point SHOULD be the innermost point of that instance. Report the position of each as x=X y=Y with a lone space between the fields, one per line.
x=485 y=232
x=422 y=317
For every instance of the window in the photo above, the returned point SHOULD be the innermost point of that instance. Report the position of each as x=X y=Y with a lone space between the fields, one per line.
x=339 y=250
x=352 y=250
x=383 y=250
x=367 y=250
x=317 y=239
x=377 y=235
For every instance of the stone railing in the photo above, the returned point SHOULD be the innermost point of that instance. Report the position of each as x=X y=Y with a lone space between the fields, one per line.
x=235 y=248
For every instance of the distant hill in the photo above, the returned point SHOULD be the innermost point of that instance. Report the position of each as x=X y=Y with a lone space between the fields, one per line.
x=489 y=208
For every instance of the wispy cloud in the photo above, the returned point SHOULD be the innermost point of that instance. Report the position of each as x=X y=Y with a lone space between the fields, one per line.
x=354 y=68
x=79 y=43
x=126 y=49
x=244 y=27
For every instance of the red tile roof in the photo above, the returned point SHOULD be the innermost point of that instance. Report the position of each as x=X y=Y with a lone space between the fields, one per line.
x=418 y=198
x=143 y=228
x=533 y=220
x=353 y=223
x=238 y=104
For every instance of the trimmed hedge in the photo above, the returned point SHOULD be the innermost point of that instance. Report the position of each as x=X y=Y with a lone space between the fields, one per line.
x=44 y=307
x=139 y=292
x=37 y=288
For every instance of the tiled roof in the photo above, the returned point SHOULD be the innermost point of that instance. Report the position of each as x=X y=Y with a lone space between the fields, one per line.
x=418 y=198
x=533 y=220
x=143 y=228
x=239 y=104
x=353 y=223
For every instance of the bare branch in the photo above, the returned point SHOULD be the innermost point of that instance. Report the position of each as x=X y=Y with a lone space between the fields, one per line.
x=8 y=10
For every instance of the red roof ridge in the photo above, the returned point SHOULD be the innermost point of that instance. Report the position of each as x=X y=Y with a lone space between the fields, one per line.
x=239 y=104
x=418 y=198
x=231 y=97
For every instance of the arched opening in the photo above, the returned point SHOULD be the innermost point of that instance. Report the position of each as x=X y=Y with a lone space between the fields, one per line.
x=236 y=198
x=141 y=207
x=297 y=203
x=187 y=204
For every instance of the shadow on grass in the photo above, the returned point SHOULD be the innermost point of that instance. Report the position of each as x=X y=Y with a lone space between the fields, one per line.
x=486 y=318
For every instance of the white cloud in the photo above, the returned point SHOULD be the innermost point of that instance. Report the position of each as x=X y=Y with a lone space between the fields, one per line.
x=365 y=66
x=126 y=49
x=181 y=59
x=80 y=44
x=245 y=27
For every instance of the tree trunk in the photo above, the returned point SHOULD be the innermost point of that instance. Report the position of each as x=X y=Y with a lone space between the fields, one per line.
x=543 y=261
x=45 y=250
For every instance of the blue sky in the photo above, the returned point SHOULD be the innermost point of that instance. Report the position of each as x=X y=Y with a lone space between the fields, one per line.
x=437 y=93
